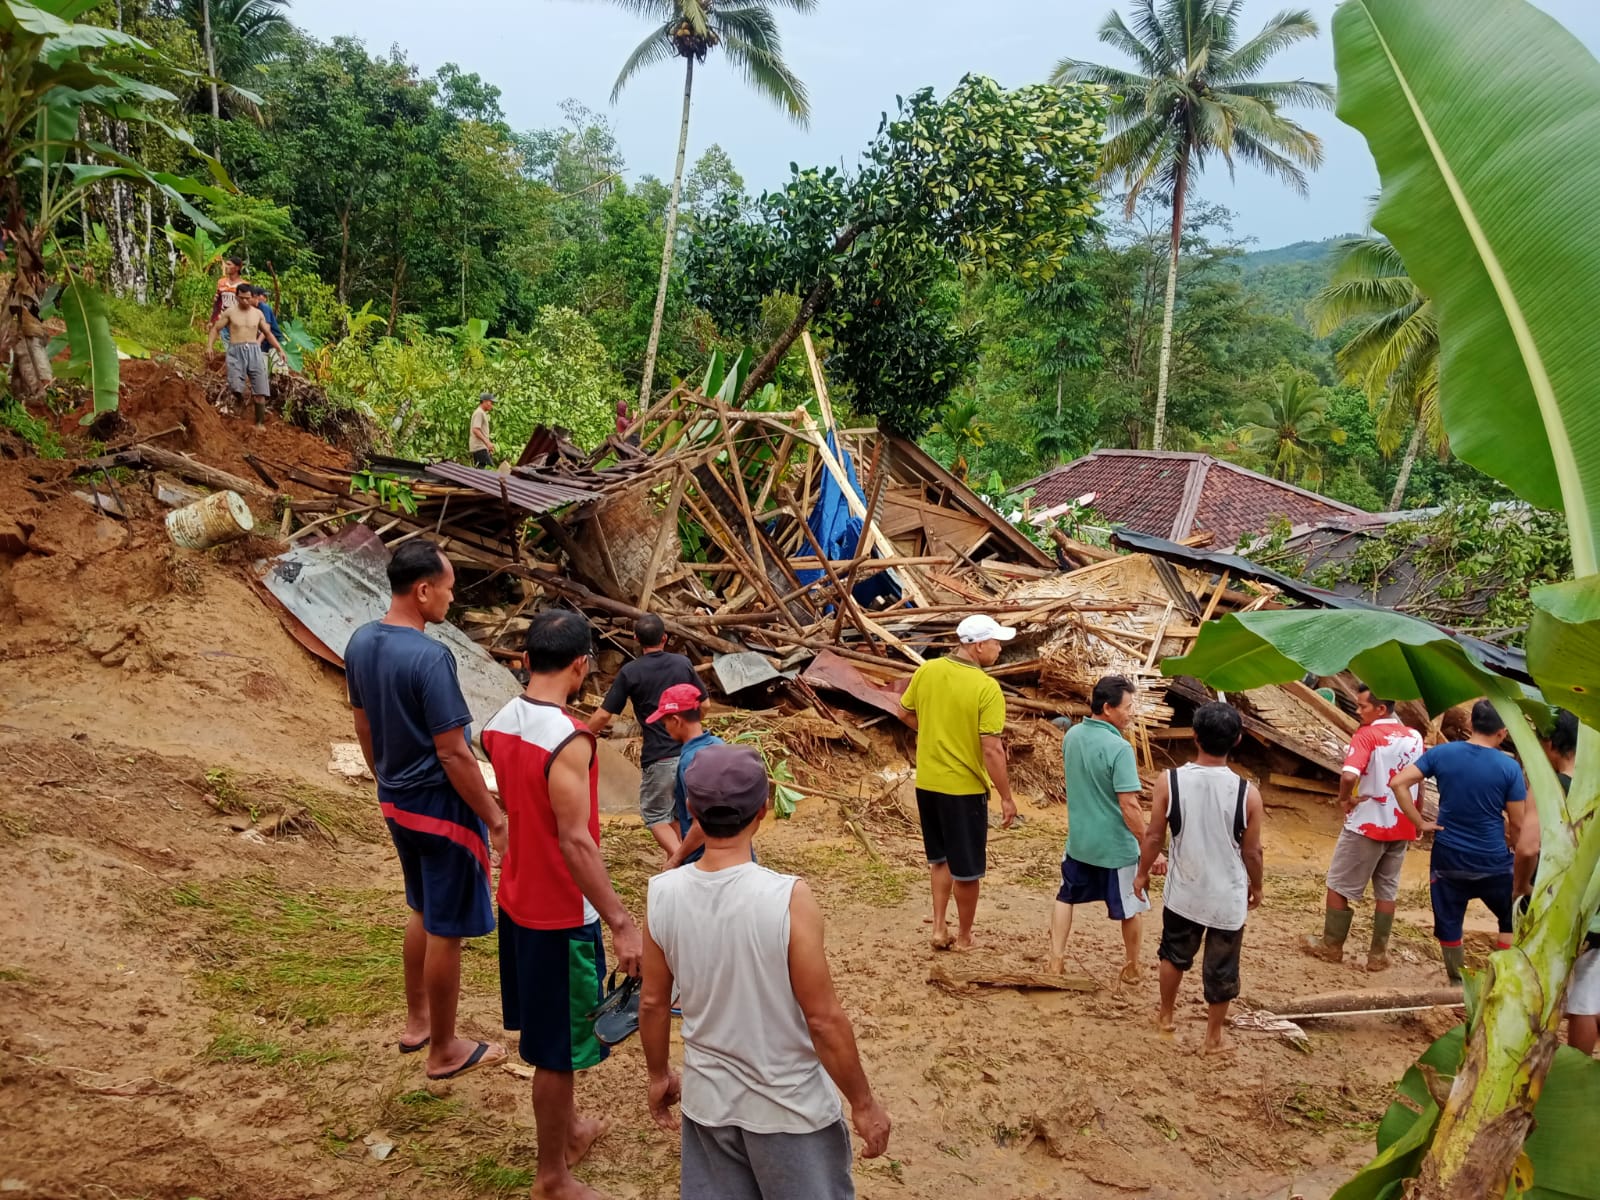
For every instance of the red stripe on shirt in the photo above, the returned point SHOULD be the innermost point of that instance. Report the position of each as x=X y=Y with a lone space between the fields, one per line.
x=458 y=834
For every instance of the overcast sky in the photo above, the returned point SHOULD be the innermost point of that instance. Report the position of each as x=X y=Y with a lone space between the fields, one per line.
x=855 y=56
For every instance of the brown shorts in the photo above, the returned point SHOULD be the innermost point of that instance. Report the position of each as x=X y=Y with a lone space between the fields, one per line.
x=1359 y=860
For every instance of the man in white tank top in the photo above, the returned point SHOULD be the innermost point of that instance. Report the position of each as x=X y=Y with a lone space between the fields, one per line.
x=1214 y=868
x=763 y=1031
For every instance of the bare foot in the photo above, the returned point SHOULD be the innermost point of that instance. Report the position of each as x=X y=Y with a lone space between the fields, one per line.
x=585 y=1132
x=415 y=1035
x=1166 y=1022
x=1219 y=1047
x=452 y=1059
x=942 y=940
x=565 y=1189
x=963 y=947
x=1130 y=973
x=1055 y=966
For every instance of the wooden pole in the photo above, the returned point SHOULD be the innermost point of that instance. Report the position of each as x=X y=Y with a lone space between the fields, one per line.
x=664 y=538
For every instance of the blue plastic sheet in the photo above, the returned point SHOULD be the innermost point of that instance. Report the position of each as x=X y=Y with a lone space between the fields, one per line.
x=838 y=531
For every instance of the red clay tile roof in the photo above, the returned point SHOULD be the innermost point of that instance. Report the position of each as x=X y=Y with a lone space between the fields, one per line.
x=1174 y=494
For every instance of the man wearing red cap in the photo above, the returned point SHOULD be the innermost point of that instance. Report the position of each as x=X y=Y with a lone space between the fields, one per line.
x=959 y=715
x=678 y=716
x=763 y=1029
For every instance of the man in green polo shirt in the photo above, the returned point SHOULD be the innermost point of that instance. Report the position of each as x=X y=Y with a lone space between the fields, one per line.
x=1105 y=823
x=959 y=715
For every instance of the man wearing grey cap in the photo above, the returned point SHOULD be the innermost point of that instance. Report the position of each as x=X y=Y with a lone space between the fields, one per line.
x=763 y=1030
x=478 y=433
x=960 y=717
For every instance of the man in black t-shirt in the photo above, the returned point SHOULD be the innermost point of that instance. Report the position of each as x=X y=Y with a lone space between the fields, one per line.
x=641 y=682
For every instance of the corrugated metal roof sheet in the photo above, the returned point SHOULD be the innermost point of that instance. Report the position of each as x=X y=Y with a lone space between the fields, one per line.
x=523 y=493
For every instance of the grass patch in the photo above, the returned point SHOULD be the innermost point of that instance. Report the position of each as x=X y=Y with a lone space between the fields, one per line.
x=153 y=326
x=842 y=870
x=307 y=956
x=235 y=1045
x=16 y=975
x=16 y=826
x=335 y=812
x=488 y=1176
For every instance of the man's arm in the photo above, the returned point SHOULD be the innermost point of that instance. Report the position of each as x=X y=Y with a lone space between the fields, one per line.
x=1155 y=836
x=1525 y=857
x=266 y=332
x=1401 y=785
x=1516 y=812
x=461 y=765
x=600 y=720
x=364 y=736
x=569 y=802
x=1348 y=778
x=908 y=716
x=994 y=761
x=1250 y=849
x=831 y=1033
x=692 y=841
x=217 y=323
x=1132 y=814
x=655 y=1033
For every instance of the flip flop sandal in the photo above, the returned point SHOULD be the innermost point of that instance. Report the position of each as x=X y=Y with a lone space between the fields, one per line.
x=413 y=1047
x=616 y=1018
x=478 y=1058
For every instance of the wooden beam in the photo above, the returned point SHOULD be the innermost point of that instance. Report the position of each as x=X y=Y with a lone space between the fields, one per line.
x=1320 y=786
x=666 y=536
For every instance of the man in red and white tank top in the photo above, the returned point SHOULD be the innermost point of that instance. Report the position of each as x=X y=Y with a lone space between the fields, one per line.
x=1372 y=845
x=554 y=891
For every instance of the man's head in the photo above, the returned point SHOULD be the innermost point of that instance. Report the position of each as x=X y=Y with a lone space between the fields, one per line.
x=1487 y=727
x=1217 y=728
x=420 y=575
x=1114 y=699
x=245 y=296
x=558 y=645
x=1561 y=747
x=727 y=790
x=650 y=631
x=1370 y=708
x=486 y=401
x=678 y=712
x=982 y=638
x=233 y=264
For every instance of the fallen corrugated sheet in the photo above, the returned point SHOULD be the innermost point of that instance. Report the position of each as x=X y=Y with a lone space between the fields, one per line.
x=335 y=586
x=527 y=494
x=829 y=671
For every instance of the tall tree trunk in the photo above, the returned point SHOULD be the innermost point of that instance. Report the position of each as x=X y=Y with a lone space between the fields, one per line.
x=1060 y=384
x=211 y=69
x=1180 y=186
x=344 y=252
x=648 y=381
x=1406 y=463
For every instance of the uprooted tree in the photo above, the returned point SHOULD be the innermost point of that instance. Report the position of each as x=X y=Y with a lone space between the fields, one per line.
x=53 y=72
x=984 y=177
x=1472 y=113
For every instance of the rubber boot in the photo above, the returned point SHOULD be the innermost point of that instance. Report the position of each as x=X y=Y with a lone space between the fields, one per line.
x=1378 y=955
x=261 y=413
x=1335 y=929
x=1455 y=959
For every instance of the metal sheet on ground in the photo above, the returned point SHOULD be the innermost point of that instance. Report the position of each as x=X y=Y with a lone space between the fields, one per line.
x=335 y=586
x=834 y=673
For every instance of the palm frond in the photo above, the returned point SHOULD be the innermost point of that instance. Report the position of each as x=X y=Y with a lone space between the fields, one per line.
x=1346 y=300
x=1277 y=35
x=654 y=49
x=1356 y=258
x=1163 y=37
x=1116 y=34
x=1284 y=93
x=650 y=10
x=1262 y=122
x=759 y=60
x=1264 y=158
x=1137 y=155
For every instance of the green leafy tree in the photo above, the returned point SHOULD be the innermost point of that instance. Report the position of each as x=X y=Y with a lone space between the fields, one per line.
x=747 y=34
x=1491 y=212
x=1194 y=93
x=54 y=73
x=960 y=427
x=1290 y=425
x=1393 y=351
x=239 y=38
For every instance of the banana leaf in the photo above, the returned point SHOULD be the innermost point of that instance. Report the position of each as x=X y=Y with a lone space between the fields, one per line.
x=1473 y=123
x=1564 y=645
x=94 y=350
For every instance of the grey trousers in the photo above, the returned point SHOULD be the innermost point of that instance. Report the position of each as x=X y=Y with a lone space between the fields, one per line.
x=727 y=1163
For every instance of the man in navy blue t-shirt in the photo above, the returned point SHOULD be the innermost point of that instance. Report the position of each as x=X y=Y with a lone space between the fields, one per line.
x=413 y=724
x=1481 y=796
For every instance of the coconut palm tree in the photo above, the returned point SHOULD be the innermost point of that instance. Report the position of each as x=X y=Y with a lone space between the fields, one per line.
x=1394 y=353
x=1288 y=426
x=747 y=34
x=1192 y=94
x=239 y=37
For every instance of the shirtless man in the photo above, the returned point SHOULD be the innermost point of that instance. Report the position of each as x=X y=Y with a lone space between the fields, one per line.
x=247 y=329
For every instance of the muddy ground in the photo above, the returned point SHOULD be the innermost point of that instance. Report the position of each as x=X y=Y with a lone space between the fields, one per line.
x=190 y=1007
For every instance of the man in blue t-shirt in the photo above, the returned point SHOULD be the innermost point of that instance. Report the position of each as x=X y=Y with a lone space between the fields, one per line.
x=678 y=714
x=1481 y=797
x=413 y=724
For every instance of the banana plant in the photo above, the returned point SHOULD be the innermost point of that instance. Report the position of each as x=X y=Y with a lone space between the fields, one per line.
x=1472 y=112
x=53 y=70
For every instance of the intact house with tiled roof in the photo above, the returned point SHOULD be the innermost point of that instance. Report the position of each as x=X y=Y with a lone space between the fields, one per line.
x=1178 y=495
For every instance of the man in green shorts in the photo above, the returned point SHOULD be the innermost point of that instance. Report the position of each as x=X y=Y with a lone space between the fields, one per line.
x=960 y=717
x=1105 y=823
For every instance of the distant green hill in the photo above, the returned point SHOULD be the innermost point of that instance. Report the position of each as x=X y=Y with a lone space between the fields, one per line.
x=1286 y=277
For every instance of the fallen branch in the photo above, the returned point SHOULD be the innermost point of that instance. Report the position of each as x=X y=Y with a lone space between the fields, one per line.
x=959 y=980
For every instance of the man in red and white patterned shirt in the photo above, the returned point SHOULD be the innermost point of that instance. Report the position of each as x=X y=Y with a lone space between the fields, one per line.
x=1372 y=844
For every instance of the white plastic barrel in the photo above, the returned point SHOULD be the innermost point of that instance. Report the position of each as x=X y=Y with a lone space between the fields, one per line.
x=219 y=517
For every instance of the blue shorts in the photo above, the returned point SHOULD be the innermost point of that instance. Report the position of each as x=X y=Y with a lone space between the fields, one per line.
x=1085 y=883
x=550 y=980
x=446 y=869
x=1452 y=894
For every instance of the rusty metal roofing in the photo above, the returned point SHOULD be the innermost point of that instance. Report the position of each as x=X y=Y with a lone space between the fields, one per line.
x=521 y=492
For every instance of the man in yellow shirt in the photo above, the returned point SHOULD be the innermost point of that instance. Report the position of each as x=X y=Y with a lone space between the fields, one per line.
x=960 y=716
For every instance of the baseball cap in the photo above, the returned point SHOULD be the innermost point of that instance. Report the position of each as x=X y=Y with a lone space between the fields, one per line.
x=726 y=783
x=983 y=628
x=482 y=396
x=680 y=697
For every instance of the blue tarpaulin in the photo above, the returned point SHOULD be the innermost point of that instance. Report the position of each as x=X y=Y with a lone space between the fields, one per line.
x=838 y=532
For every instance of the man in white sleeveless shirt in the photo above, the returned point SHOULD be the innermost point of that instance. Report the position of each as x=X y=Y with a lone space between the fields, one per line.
x=1214 y=868
x=763 y=1031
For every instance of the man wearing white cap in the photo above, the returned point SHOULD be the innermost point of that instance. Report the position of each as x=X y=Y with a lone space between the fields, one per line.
x=959 y=715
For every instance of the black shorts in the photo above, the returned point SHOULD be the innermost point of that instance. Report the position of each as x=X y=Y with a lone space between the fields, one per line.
x=1219 y=969
x=955 y=830
x=1451 y=895
x=550 y=980
x=482 y=459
